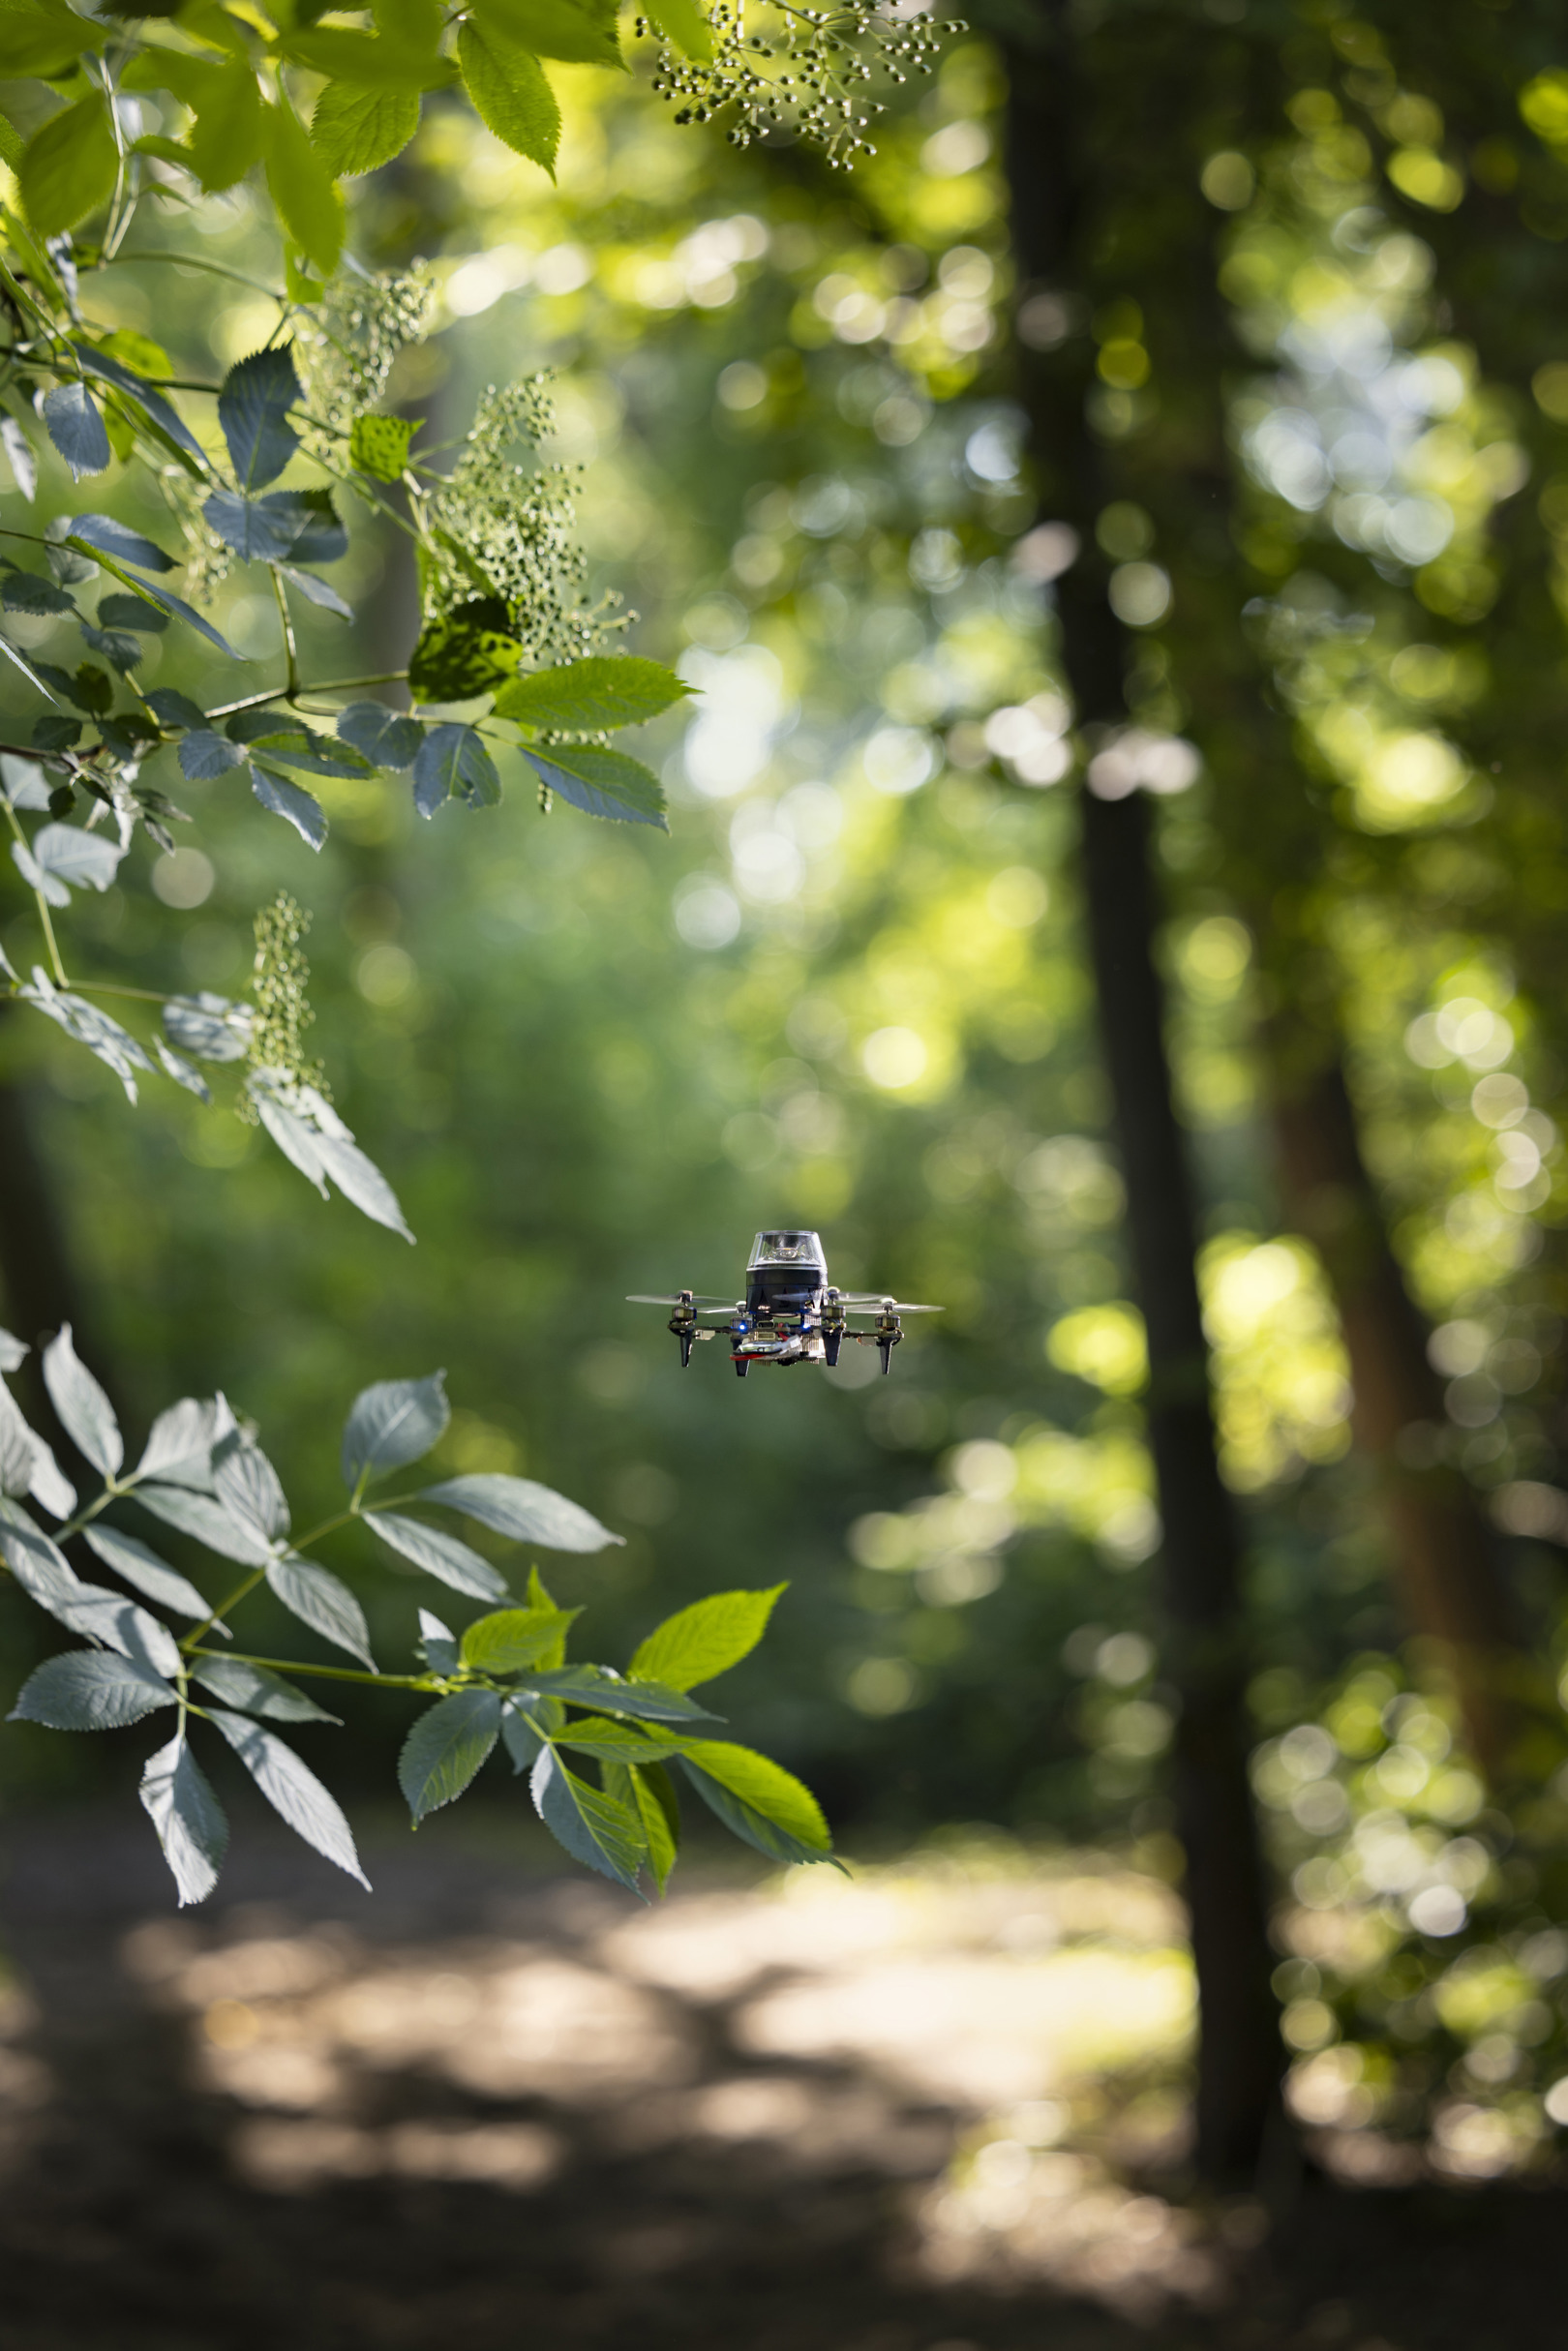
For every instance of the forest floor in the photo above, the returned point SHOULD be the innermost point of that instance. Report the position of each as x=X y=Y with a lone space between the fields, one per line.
x=926 y=2109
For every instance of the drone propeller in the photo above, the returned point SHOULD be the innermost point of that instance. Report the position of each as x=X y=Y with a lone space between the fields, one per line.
x=707 y=1305
x=859 y=1302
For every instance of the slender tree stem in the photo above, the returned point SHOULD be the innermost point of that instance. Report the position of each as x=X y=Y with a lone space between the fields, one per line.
x=290 y=649
x=240 y=1591
x=327 y=685
x=85 y=1518
x=111 y=988
x=217 y=269
x=293 y=1665
x=42 y=903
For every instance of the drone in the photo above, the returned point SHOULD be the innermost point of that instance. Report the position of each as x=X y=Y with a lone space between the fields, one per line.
x=790 y=1313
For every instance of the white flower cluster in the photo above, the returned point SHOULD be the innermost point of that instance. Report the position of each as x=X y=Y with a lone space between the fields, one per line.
x=519 y=526
x=349 y=345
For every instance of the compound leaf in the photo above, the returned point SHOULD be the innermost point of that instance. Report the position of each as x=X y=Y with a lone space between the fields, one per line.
x=706 y=1639
x=189 y=1818
x=357 y=130
x=84 y=1410
x=510 y=93
x=324 y=1601
x=601 y=783
x=439 y=1553
x=593 y=1827
x=518 y=1508
x=392 y=1423
x=445 y=1747
x=90 y=1690
x=252 y=1690
x=581 y=696
x=292 y=1790
x=143 y=1569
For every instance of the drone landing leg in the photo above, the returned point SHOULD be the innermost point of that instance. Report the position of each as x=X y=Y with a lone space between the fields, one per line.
x=741 y=1366
x=685 y=1337
x=831 y=1342
x=885 y=1347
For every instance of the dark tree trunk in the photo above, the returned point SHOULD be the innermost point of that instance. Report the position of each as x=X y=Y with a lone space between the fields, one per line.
x=1451 y=1585
x=1239 y=2059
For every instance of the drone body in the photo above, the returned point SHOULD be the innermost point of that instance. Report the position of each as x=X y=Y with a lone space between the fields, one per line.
x=790 y=1313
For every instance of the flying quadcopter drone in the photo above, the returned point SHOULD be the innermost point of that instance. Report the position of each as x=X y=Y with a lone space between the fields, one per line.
x=789 y=1314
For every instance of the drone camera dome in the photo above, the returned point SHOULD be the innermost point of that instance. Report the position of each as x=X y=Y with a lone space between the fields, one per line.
x=792 y=1248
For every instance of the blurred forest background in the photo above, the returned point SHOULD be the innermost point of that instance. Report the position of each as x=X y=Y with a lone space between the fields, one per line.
x=849 y=988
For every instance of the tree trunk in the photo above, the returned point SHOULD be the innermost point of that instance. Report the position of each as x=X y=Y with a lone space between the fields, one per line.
x=1239 y=2058
x=1451 y=1585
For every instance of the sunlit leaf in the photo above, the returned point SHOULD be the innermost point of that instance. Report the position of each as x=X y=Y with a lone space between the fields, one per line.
x=189 y=1818
x=445 y=1747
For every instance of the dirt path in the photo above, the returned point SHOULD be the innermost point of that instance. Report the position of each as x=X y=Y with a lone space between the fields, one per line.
x=481 y=2111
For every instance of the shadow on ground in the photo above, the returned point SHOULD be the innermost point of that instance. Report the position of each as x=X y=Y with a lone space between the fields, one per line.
x=480 y=2111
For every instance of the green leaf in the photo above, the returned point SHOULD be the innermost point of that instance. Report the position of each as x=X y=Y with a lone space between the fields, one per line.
x=686 y=25
x=525 y=1731
x=86 y=860
x=582 y=697
x=387 y=738
x=45 y=41
x=323 y=1601
x=510 y=94
x=292 y=1790
x=143 y=1569
x=312 y=1139
x=603 y=783
x=368 y=61
x=452 y=762
x=247 y=1487
x=467 y=652
x=593 y=1827
x=706 y=1639
x=260 y=529
x=68 y=167
x=18 y=1447
x=520 y=1509
x=100 y=536
x=252 y=1690
x=12 y=143
x=438 y=1644
x=293 y=803
x=392 y=1423
x=379 y=445
x=594 y=1686
x=253 y=409
x=303 y=191
x=205 y=754
x=85 y=1411
x=757 y=1798
x=165 y=602
x=510 y=1639
x=445 y=1747
x=615 y=1742
x=188 y=1817
x=147 y=397
x=90 y=1690
x=200 y=1515
x=231 y=126
x=439 y=1553
x=577 y=34
x=647 y=1790
x=317 y=590
x=72 y=422
x=179 y=1445
x=357 y=130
